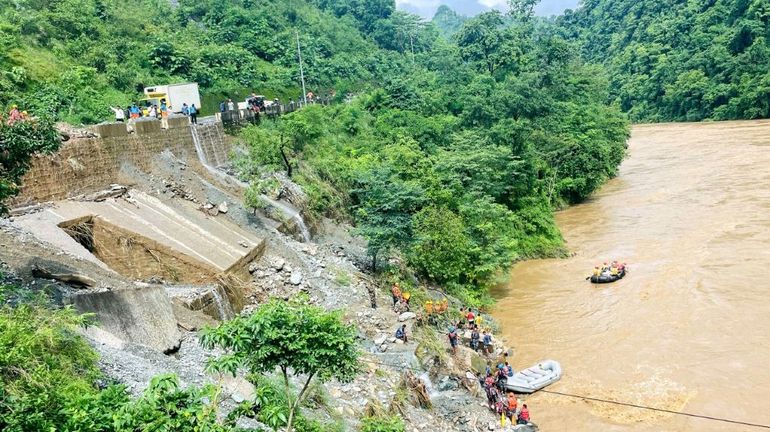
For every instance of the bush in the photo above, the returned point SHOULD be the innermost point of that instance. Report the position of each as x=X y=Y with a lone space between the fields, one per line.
x=18 y=142
x=382 y=424
x=49 y=381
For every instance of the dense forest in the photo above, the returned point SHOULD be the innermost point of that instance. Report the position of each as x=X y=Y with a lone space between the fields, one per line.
x=680 y=60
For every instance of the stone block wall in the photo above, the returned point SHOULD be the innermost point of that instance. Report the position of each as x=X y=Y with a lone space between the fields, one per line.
x=84 y=165
x=214 y=144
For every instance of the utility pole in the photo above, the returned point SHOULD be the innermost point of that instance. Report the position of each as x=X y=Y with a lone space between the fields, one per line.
x=301 y=70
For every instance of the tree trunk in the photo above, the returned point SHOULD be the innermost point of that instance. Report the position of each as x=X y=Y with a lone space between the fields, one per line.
x=374 y=262
x=293 y=406
x=287 y=387
x=285 y=158
x=286 y=162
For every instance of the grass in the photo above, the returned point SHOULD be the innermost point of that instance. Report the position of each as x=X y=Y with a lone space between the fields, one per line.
x=342 y=277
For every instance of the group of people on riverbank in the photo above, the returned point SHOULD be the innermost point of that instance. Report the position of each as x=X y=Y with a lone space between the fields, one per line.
x=471 y=321
x=500 y=401
x=506 y=406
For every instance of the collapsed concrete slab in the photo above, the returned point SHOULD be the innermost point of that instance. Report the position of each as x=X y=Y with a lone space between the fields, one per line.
x=141 y=316
x=142 y=237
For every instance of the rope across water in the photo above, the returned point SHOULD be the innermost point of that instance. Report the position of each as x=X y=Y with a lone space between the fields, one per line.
x=607 y=401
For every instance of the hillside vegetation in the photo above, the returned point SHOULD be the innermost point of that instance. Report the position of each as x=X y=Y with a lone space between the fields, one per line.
x=453 y=154
x=680 y=60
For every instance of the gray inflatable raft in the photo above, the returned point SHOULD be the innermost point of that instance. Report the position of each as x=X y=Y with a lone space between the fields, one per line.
x=534 y=378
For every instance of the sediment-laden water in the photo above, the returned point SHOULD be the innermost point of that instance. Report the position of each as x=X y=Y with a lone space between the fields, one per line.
x=689 y=327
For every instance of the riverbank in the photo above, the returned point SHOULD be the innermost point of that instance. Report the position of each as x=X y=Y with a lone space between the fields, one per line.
x=689 y=214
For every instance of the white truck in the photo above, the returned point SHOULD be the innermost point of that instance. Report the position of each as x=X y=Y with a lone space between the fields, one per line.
x=175 y=95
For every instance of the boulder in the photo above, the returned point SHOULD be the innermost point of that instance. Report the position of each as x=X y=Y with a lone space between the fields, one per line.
x=239 y=389
x=278 y=264
x=296 y=278
x=447 y=384
x=380 y=340
x=223 y=208
x=407 y=316
x=188 y=319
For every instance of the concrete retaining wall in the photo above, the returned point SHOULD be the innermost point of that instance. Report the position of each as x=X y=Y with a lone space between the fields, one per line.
x=142 y=316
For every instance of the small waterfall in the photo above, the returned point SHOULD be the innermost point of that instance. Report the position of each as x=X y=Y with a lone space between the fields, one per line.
x=198 y=148
x=226 y=178
x=284 y=208
x=293 y=214
x=224 y=307
x=425 y=377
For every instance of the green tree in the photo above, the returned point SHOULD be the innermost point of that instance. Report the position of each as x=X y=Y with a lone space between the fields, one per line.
x=166 y=406
x=383 y=214
x=296 y=338
x=480 y=40
x=441 y=247
x=18 y=142
x=45 y=366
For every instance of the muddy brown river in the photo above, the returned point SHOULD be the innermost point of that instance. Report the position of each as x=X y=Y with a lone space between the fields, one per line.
x=689 y=327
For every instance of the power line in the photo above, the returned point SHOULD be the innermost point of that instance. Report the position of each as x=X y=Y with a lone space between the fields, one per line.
x=681 y=413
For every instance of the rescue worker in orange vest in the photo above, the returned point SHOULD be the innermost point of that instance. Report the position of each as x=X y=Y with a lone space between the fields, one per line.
x=396 y=291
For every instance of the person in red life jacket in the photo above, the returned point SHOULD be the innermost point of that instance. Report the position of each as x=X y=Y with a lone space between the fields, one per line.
x=524 y=415
x=471 y=317
x=491 y=390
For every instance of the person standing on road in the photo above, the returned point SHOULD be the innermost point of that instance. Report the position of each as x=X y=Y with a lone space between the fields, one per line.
x=120 y=115
x=193 y=114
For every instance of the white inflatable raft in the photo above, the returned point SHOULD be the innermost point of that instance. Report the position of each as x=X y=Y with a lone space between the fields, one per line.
x=534 y=378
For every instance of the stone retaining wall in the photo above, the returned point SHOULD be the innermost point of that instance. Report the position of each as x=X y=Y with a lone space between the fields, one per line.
x=85 y=165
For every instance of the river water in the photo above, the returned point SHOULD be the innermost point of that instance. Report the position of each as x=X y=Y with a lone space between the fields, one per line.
x=689 y=327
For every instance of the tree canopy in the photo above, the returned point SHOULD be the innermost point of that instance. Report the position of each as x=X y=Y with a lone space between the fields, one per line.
x=679 y=60
x=295 y=338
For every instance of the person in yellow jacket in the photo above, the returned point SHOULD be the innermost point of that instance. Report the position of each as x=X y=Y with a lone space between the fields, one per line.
x=406 y=296
x=428 y=307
